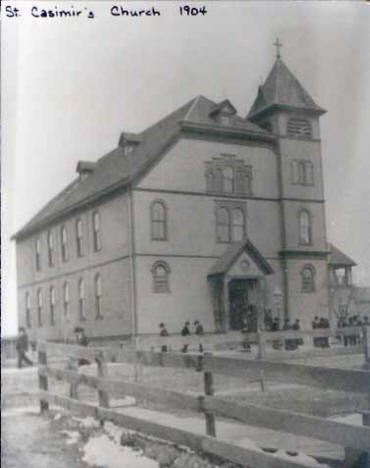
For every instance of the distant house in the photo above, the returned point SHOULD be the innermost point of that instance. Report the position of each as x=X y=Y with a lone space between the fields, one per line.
x=362 y=301
x=204 y=215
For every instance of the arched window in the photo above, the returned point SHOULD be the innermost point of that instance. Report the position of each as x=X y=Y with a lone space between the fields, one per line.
x=52 y=305
x=79 y=241
x=81 y=300
x=218 y=182
x=308 y=279
x=158 y=213
x=160 y=272
x=39 y=307
x=50 y=249
x=64 y=243
x=239 y=180
x=223 y=225
x=299 y=128
x=28 y=310
x=98 y=298
x=66 y=301
x=248 y=181
x=228 y=179
x=38 y=254
x=238 y=224
x=96 y=231
x=305 y=228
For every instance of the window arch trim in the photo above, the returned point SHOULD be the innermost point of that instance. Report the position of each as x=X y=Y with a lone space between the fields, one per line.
x=308 y=282
x=161 y=282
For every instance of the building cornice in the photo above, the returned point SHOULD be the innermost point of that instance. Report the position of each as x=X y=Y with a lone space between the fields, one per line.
x=313 y=254
x=276 y=107
x=225 y=132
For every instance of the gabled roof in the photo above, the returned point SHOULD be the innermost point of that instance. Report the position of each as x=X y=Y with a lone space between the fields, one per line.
x=225 y=262
x=282 y=88
x=116 y=169
x=223 y=106
x=338 y=259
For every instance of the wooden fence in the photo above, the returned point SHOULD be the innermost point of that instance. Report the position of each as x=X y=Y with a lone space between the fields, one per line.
x=353 y=438
x=264 y=341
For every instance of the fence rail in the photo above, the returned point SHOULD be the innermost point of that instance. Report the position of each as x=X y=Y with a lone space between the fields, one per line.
x=351 y=437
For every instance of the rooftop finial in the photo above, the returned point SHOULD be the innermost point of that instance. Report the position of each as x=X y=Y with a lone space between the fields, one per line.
x=278 y=44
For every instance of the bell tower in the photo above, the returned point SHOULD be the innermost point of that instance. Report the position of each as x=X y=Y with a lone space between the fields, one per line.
x=285 y=109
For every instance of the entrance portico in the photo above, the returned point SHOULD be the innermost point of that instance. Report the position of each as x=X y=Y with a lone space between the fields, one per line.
x=238 y=287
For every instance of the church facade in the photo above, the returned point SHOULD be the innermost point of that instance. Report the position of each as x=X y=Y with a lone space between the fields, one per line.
x=206 y=215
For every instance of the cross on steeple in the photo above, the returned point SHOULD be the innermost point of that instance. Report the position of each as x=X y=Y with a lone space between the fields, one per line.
x=277 y=44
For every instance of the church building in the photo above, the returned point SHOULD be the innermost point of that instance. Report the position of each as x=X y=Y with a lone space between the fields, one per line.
x=206 y=215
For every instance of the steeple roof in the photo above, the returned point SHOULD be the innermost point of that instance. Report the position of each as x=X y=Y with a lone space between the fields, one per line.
x=282 y=89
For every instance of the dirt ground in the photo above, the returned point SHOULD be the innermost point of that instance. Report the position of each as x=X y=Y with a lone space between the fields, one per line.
x=30 y=441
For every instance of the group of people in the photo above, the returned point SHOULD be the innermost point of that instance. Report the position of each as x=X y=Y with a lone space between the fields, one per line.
x=321 y=323
x=353 y=321
x=22 y=346
x=198 y=330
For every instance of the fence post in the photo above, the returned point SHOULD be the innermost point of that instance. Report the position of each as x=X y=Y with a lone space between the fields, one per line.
x=366 y=337
x=261 y=344
x=103 y=395
x=209 y=390
x=43 y=379
x=73 y=366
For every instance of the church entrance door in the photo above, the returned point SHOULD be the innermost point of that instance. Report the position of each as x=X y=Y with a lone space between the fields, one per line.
x=243 y=296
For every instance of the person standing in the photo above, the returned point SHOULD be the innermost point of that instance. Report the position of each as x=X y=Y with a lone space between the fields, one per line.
x=163 y=333
x=185 y=332
x=81 y=340
x=22 y=348
x=199 y=330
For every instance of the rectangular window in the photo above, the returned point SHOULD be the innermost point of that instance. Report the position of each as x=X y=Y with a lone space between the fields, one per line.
x=38 y=254
x=96 y=232
x=64 y=243
x=79 y=238
x=39 y=308
x=52 y=306
x=50 y=249
x=302 y=172
x=28 y=311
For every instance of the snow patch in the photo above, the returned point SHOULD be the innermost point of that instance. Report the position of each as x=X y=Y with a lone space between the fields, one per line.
x=88 y=422
x=102 y=451
x=301 y=458
x=73 y=436
x=355 y=419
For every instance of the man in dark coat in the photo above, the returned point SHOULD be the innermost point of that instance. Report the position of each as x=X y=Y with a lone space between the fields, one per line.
x=22 y=347
x=199 y=330
x=185 y=332
x=163 y=333
x=81 y=340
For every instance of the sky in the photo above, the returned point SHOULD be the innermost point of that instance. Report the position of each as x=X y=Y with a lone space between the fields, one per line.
x=70 y=86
